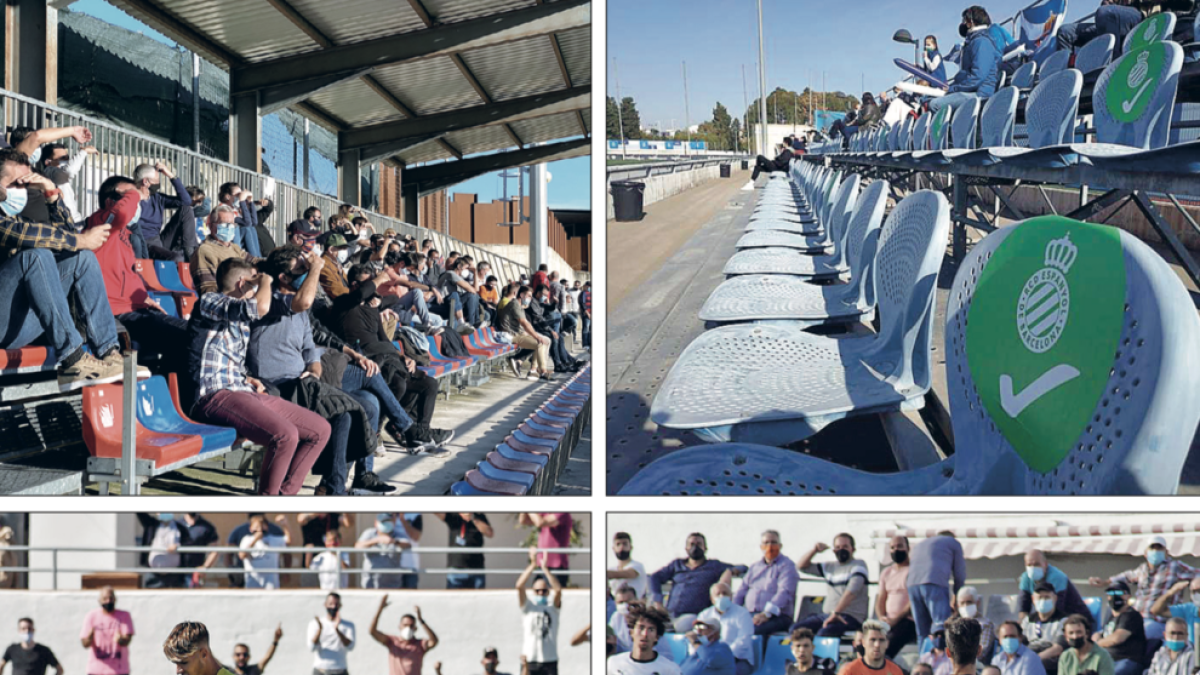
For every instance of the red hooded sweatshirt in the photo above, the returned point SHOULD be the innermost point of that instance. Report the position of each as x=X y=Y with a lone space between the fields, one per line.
x=126 y=291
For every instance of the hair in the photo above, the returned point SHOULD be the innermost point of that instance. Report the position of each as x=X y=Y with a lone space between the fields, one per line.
x=393 y=258
x=977 y=15
x=221 y=208
x=989 y=667
x=934 y=38
x=774 y=532
x=143 y=171
x=946 y=533
x=196 y=193
x=874 y=624
x=345 y=209
x=1177 y=620
x=279 y=261
x=408 y=616
x=12 y=156
x=357 y=271
x=459 y=264
x=918 y=665
x=962 y=639
x=225 y=190
x=311 y=211
x=432 y=251
x=543 y=267
x=848 y=536
x=523 y=290
x=802 y=634
x=334 y=595
x=415 y=259
x=1078 y=620
x=24 y=619
x=697 y=534
x=654 y=615
x=185 y=640
x=624 y=588
x=510 y=290
x=243 y=645
x=108 y=189
x=48 y=151
x=490 y=279
x=358 y=220
x=1045 y=587
x=226 y=271
x=481 y=263
x=425 y=242
x=967 y=590
x=19 y=134
x=1014 y=624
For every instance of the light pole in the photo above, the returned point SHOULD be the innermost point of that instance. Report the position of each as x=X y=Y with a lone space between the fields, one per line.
x=745 y=106
x=762 y=84
x=904 y=37
x=620 y=122
x=687 y=115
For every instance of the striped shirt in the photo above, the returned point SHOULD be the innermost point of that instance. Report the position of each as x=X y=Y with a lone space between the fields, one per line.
x=1152 y=583
x=841 y=579
x=221 y=326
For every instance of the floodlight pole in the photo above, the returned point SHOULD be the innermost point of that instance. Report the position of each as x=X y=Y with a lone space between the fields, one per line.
x=687 y=115
x=745 y=107
x=620 y=122
x=762 y=83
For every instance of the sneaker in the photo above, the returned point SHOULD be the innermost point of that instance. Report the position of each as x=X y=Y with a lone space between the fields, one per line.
x=548 y=377
x=370 y=482
x=89 y=370
x=464 y=329
x=115 y=356
x=394 y=431
x=516 y=368
x=421 y=439
x=441 y=436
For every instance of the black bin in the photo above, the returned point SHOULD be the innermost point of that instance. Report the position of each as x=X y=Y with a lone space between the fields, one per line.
x=725 y=169
x=627 y=200
x=745 y=165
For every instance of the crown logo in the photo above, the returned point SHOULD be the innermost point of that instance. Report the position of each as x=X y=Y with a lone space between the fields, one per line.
x=1061 y=254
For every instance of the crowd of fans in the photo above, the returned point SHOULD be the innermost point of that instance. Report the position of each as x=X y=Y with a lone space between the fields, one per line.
x=922 y=598
x=309 y=348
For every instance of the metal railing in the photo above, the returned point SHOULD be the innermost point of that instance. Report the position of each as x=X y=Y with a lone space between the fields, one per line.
x=55 y=568
x=121 y=150
x=648 y=170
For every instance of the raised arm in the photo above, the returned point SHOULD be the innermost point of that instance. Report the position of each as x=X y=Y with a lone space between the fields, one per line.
x=433 y=638
x=263 y=300
x=483 y=526
x=262 y=665
x=584 y=635
x=524 y=578
x=375 y=632
x=43 y=136
x=554 y=585
x=303 y=300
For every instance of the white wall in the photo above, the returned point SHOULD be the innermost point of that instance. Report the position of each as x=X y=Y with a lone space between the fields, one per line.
x=520 y=253
x=79 y=529
x=775 y=135
x=466 y=622
x=667 y=185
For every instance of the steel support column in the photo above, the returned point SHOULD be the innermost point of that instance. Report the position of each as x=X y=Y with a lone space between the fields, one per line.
x=349 y=175
x=959 y=215
x=245 y=131
x=412 y=205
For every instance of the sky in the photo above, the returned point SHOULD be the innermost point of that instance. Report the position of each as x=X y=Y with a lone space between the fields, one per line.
x=851 y=43
x=568 y=188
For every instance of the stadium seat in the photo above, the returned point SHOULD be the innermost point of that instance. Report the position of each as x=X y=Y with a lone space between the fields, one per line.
x=526 y=444
x=501 y=487
x=186 y=304
x=435 y=348
x=521 y=434
x=509 y=453
x=963 y=128
x=27 y=360
x=1095 y=605
x=463 y=488
x=167 y=302
x=501 y=462
x=157 y=411
x=1001 y=608
x=826 y=647
x=1154 y=28
x=1096 y=54
x=102 y=415
x=1057 y=63
x=167 y=274
x=519 y=478
x=776 y=656
x=145 y=268
x=185 y=275
x=1025 y=76
x=939 y=139
x=1050 y=122
x=815 y=228
x=997 y=123
x=778 y=384
x=677 y=646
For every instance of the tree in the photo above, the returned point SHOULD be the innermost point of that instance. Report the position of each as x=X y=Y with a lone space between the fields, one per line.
x=630 y=119
x=611 y=126
x=722 y=124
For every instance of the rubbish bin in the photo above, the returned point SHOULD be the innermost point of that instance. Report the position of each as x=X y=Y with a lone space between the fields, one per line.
x=627 y=200
x=725 y=169
x=745 y=165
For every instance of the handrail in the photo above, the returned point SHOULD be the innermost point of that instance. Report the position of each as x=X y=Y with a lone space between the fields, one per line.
x=121 y=150
x=293 y=549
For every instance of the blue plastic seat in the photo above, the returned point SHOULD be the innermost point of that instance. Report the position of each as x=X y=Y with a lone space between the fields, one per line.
x=776 y=657
x=156 y=411
x=677 y=646
x=1095 y=605
x=519 y=456
x=168 y=276
x=167 y=301
x=826 y=647
x=523 y=479
x=464 y=488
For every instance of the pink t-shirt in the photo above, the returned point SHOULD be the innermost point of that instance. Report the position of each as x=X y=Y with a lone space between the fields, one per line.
x=106 y=657
x=894 y=580
x=405 y=656
x=558 y=536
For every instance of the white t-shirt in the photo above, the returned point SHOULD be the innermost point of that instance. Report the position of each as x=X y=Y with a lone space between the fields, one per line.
x=326 y=566
x=623 y=664
x=262 y=558
x=541 y=632
x=165 y=536
x=329 y=653
x=639 y=584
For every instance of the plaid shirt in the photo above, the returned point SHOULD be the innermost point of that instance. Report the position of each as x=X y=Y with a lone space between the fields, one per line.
x=17 y=233
x=226 y=337
x=1153 y=583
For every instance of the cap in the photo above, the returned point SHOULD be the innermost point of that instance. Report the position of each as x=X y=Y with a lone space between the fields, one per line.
x=1045 y=587
x=1117 y=586
x=302 y=227
x=1156 y=540
x=335 y=240
x=490 y=651
x=700 y=622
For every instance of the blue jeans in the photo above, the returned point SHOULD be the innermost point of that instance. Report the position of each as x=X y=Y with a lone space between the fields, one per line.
x=587 y=331
x=469 y=302
x=413 y=302
x=339 y=439
x=569 y=322
x=376 y=398
x=930 y=607
x=466 y=581
x=247 y=238
x=776 y=624
x=953 y=100
x=34 y=304
x=1110 y=19
x=1127 y=667
x=558 y=351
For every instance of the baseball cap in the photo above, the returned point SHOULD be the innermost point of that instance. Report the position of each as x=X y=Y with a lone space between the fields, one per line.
x=302 y=227
x=1156 y=540
x=700 y=622
x=335 y=240
x=490 y=651
x=1117 y=586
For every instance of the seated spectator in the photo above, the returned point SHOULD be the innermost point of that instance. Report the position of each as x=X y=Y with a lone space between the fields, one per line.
x=936 y=658
x=782 y=161
x=707 y=655
x=737 y=626
x=489 y=294
x=333 y=274
x=962 y=644
x=514 y=322
x=1043 y=628
x=585 y=313
x=226 y=395
x=457 y=293
x=241 y=656
x=1014 y=657
x=649 y=624
x=507 y=295
x=330 y=565
x=625 y=598
x=979 y=65
x=692 y=578
x=28 y=656
x=768 y=591
x=57 y=164
x=164 y=536
x=183 y=233
x=1176 y=656
x=1123 y=637
x=153 y=206
x=845 y=606
x=242 y=201
x=217 y=248
x=892 y=604
x=1037 y=570
x=256 y=553
x=838 y=129
x=1082 y=654
x=968 y=608
x=807 y=662
x=1158 y=573
x=1188 y=611
x=1111 y=18
x=627 y=571
x=546 y=320
x=201 y=208
x=873 y=660
x=304 y=234
x=868 y=114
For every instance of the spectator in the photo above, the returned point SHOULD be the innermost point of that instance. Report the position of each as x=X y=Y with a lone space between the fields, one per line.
x=707 y=655
x=491 y=662
x=164 y=536
x=1037 y=570
x=873 y=660
x=1081 y=654
x=1188 y=611
x=618 y=623
x=458 y=294
x=313 y=527
x=558 y=293
x=489 y=293
x=867 y=115
x=151 y=216
x=7 y=557
x=934 y=562
x=585 y=311
x=331 y=638
x=737 y=626
x=1043 y=628
x=692 y=578
x=201 y=208
x=241 y=656
x=1123 y=637
x=181 y=234
x=845 y=606
x=1176 y=656
x=199 y=532
x=979 y=63
x=963 y=644
x=187 y=647
x=1014 y=657
x=216 y=249
x=922 y=669
x=405 y=651
x=332 y=274
x=409 y=528
x=467 y=530
x=107 y=632
x=57 y=164
x=330 y=565
x=554 y=531
x=238 y=579
x=547 y=320
x=627 y=571
x=304 y=234
x=892 y=603
x=937 y=658
x=541 y=277
x=1111 y=18
x=769 y=589
x=1153 y=577
x=540 y=617
x=233 y=196
x=807 y=663
x=782 y=161
x=968 y=608
x=385 y=545
x=256 y=553
x=649 y=625
x=932 y=59
x=27 y=656
x=513 y=321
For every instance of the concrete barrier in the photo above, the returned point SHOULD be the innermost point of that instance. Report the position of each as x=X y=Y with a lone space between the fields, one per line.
x=663 y=179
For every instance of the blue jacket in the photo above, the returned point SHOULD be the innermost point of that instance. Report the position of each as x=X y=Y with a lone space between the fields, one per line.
x=712 y=659
x=1001 y=37
x=979 y=68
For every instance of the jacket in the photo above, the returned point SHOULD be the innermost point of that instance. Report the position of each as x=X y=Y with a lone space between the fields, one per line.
x=868 y=115
x=329 y=402
x=125 y=289
x=979 y=68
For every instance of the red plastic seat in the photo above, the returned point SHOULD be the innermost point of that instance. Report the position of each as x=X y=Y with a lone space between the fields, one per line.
x=538 y=433
x=145 y=268
x=185 y=275
x=481 y=482
x=501 y=462
x=547 y=420
x=186 y=303
x=517 y=444
x=25 y=360
x=102 y=414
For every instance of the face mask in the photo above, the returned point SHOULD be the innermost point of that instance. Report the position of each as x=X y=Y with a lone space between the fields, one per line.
x=331 y=611
x=318 y=250
x=1010 y=645
x=202 y=209
x=1156 y=557
x=298 y=281
x=342 y=255
x=899 y=557
x=137 y=215
x=225 y=232
x=525 y=302
x=724 y=602
x=623 y=608
x=36 y=156
x=108 y=606
x=15 y=203
x=387 y=527
x=962 y=29
x=407 y=633
x=542 y=600
x=621 y=555
x=939 y=643
x=155 y=188
x=489 y=667
x=968 y=611
x=695 y=552
x=28 y=637
x=1035 y=573
x=1173 y=645
x=1077 y=643
x=166 y=517
x=1117 y=602
x=843 y=556
x=1044 y=606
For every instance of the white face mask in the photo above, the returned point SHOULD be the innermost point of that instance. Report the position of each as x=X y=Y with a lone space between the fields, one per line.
x=407 y=633
x=317 y=250
x=968 y=611
x=622 y=608
x=137 y=215
x=15 y=203
x=343 y=255
x=25 y=637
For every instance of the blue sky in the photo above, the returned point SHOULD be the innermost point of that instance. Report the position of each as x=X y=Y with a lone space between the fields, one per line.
x=850 y=41
x=568 y=188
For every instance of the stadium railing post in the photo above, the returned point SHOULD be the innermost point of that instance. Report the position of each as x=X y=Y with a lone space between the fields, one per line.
x=129 y=484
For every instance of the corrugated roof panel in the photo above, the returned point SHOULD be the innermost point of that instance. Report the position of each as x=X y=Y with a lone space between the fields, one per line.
x=425 y=152
x=451 y=11
x=251 y=28
x=516 y=69
x=350 y=21
x=548 y=128
x=355 y=103
x=429 y=86
x=576 y=47
x=480 y=139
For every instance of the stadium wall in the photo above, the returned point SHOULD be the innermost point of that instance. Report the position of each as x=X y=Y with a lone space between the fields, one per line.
x=665 y=185
x=465 y=621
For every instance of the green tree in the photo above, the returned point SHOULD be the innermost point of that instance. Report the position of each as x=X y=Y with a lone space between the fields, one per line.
x=630 y=119
x=611 y=126
x=722 y=124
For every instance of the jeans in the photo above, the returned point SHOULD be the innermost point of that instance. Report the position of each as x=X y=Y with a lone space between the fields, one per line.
x=814 y=623
x=1110 y=19
x=1127 y=667
x=339 y=439
x=587 y=332
x=458 y=580
x=158 y=333
x=901 y=634
x=138 y=242
x=247 y=238
x=469 y=302
x=376 y=399
x=291 y=436
x=953 y=100
x=35 y=304
x=414 y=303
x=742 y=667
x=763 y=164
x=417 y=393
x=930 y=607
x=776 y=624
x=569 y=322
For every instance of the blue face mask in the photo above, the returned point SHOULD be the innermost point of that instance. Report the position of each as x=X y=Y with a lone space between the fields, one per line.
x=939 y=643
x=296 y=283
x=542 y=600
x=387 y=526
x=1035 y=573
x=166 y=517
x=1010 y=645
x=225 y=232
x=724 y=602
x=1156 y=557
x=1045 y=606
x=1175 y=645
x=15 y=203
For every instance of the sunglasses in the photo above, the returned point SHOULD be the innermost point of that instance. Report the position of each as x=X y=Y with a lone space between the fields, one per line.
x=541 y=591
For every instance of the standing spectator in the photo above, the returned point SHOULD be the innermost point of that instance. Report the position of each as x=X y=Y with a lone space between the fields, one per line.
x=873 y=660
x=1154 y=578
x=241 y=656
x=585 y=312
x=707 y=655
x=691 y=578
x=1039 y=569
x=154 y=204
x=384 y=546
x=7 y=557
x=1043 y=628
x=199 y=532
x=968 y=608
x=1124 y=636
x=649 y=625
x=256 y=553
x=331 y=638
x=107 y=632
x=554 y=531
x=892 y=604
x=627 y=571
x=1014 y=657
x=845 y=606
x=406 y=652
x=238 y=579
x=330 y=565
x=491 y=662
x=540 y=618
x=807 y=663
x=934 y=562
x=769 y=590
x=1081 y=654
x=313 y=527
x=737 y=626
x=27 y=656
x=164 y=537
x=618 y=622
x=1176 y=656
x=467 y=530
x=410 y=527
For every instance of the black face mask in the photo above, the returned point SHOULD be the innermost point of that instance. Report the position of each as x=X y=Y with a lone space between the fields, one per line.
x=332 y=611
x=490 y=667
x=155 y=188
x=1076 y=643
x=1117 y=602
x=621 y=555
x=962 y=29
x=899 y=557
x=108 y=606
x=696 y=553
x=843 y=556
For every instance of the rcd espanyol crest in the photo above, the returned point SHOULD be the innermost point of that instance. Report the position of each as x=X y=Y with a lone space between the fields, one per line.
x=1045 y=300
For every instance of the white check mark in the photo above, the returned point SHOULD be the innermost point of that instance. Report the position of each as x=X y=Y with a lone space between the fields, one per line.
x=1128 y=105
x=1049 y=381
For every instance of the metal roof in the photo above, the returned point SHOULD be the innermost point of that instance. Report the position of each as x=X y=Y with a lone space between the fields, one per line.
x=542 y=48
